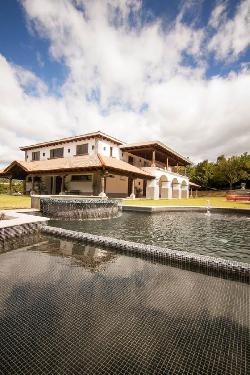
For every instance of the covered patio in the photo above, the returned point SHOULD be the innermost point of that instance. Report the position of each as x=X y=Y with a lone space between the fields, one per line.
x=86 y=175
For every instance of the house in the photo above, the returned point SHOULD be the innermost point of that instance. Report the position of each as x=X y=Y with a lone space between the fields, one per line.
x=99 y=164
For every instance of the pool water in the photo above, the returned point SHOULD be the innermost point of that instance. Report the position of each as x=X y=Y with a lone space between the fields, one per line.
x=219 y=235
x=67 y=308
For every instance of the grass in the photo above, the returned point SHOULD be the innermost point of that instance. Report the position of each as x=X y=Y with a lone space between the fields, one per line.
x=14 y=201
x=201 y=201
x=22 y=201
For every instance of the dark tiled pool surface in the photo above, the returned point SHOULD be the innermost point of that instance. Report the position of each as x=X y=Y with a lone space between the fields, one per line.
x=66 y=308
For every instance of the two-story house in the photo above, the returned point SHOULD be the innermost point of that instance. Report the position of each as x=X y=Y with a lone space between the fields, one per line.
x=99 y=164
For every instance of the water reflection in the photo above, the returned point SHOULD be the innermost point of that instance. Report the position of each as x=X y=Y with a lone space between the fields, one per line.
x=82 y=255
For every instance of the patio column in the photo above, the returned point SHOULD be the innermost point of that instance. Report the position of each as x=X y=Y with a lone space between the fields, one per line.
x=132 y=195
x=32 y=183
x=185 y=191
x=166 y=190
x=176 y=190
x=24 y=186
x=10 y=185
x=53 y=190
x=152 y=190
x=62 y=184
x=102 y=193
x=153 y=159
x=167 y=163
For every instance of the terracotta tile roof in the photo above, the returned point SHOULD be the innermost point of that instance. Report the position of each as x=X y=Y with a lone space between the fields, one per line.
x=122 y=165
x=85 y=162
x=97 y=134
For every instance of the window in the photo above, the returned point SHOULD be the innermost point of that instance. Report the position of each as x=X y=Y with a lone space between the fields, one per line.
x=104 y=148
x=36 y=155
x=85 y=177
x=82 y=149
x=111 y=151
x=56 y=153
x=43 y=153
x=131 y=160
x=93 y=147
x=68 y=150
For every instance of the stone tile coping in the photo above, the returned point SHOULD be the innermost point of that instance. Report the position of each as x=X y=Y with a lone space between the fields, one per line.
x=183 y=259
x=18 y=217
x=127 y=207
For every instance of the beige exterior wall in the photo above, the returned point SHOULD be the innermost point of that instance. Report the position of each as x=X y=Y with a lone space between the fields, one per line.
x=117 y=185
x=82 y=186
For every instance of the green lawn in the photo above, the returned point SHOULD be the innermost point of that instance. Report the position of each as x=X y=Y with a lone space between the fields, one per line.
x=14 y=201
x=214 y=202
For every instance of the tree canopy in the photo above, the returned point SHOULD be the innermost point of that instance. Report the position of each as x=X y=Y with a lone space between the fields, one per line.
x=224 y=173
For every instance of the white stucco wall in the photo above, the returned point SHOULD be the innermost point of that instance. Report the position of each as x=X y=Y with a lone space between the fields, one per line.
x=103 y=148
x=66 y=146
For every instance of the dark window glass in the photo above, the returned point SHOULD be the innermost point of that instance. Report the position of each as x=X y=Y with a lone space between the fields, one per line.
x=93 y=147
x=131 y=160
x=111 y=151
x=36 y=155
x=56 y=153
x=68 y=150
x=82 y=149
x=85 y=177
x=43 y=153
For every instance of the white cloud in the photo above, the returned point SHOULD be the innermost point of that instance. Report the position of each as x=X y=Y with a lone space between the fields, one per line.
x=232 y=36
x=131 y=69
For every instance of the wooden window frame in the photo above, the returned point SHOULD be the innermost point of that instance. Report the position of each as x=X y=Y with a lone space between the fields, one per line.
x=85 y=147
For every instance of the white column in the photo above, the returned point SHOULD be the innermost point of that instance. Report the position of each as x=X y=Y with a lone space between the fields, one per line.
x=166 y=190
x=176 y=190
x=152 y=189
x=102 y=193
x=132 y=195
x=185 y=192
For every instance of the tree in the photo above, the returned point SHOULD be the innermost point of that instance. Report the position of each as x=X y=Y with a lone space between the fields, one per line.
x=202 y=174
x=233 y=169
x=224 y=172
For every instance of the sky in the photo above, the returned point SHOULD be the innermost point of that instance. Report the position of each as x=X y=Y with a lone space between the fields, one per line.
x=169 y=70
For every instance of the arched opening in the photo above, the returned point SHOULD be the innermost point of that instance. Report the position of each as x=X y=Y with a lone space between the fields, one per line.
x=184 y=189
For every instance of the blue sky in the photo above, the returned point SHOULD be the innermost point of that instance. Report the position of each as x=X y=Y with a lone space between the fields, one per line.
x=153 y=67
x=31 y=51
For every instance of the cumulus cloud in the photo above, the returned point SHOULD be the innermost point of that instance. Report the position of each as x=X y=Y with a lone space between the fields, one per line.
x=128 y=79
x=232 y=35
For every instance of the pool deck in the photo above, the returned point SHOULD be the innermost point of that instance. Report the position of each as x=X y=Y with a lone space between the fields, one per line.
x=151 y=209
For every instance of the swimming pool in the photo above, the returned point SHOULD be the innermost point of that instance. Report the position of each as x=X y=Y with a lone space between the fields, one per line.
x=69 y=308
x=219 y=235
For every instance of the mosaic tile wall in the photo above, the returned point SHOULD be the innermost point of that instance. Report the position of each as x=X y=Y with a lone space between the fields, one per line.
x=69 y=308
x=14 y=237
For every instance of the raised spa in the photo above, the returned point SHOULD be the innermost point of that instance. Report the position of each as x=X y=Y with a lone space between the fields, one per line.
x=79 y=209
